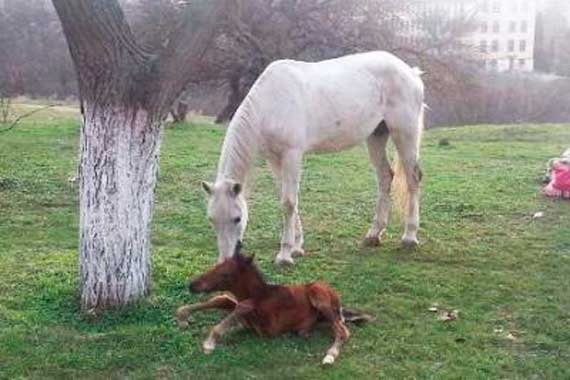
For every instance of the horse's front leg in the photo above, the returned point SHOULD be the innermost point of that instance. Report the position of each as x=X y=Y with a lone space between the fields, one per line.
x=298 y=249
x=292 y=237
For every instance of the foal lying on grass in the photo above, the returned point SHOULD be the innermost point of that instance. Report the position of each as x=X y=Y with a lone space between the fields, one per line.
x=270 y=310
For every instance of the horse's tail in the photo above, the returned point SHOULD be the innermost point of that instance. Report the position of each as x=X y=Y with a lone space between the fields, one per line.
x=355 y=316
x=400 y=184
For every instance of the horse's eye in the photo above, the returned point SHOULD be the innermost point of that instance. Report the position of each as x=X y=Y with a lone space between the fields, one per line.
x=237 y=220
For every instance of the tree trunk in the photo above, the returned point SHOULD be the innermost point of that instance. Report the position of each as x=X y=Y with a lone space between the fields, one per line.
x=235 y=98
x=118 y=170
x=179 y=112
x=126 y=93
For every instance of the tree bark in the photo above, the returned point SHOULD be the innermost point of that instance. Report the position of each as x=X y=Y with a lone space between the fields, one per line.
x=118 y=169
x=126 y=94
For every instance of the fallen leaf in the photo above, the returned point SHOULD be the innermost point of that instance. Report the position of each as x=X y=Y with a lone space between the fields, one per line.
x=538 y=215
x=510 y=336
x=446 y=315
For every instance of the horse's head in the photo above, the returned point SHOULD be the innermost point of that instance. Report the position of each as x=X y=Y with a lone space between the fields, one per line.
x=225 y=275
x=227 y=210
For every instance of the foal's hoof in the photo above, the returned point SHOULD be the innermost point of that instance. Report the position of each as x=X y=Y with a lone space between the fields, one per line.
x=284 y=261
x=410 y=243
x=208 y=347
x=371 y=241
x=328 y=360
x=182 y=325
x=182 y=317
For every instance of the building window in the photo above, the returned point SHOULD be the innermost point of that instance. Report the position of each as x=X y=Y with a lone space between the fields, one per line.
x=525 y=6
x=495 y=46
x=514 y=7
x=522 y=45
x=513 y=26
x=483 y=46
x=511 y=63
x=497 y=7
x=511 y=46
x=493 y=64
x=485 y=7
x=496 y=27
x=484 y=27
x=522 y=63
x=524 y=26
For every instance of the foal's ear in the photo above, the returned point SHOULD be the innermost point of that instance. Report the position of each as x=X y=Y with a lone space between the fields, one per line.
x=249 y=259
x=207 y=187
x=236 y=189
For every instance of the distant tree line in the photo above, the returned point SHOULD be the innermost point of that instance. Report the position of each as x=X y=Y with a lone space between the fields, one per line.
x=34 y=59
x=37 y=62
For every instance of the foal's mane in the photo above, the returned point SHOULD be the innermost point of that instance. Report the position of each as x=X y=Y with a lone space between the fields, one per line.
x=248 y=262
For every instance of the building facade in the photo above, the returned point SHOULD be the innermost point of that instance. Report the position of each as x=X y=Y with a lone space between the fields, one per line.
x=505 y=34
x=502 y=36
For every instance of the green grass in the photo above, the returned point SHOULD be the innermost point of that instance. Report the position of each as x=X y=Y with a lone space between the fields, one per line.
x=481 y=253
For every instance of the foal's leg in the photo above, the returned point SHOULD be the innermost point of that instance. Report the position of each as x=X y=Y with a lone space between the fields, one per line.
x=291 y=164
x=326 y=301
x=232 y=322
x=341 y=335
x=221 y=302
x=297 y=250
x=377 y=152
x=406 y=134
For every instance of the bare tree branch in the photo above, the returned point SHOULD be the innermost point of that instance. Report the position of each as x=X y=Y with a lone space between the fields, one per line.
x=21 y=117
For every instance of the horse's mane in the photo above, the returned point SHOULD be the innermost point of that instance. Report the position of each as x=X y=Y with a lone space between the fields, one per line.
x=240 y=144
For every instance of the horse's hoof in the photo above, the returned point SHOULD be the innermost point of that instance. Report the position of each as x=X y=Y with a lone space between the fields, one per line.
x=408 y=243
x=328 y=360
x=284 y=261
x=371 y=241
x=297 y=252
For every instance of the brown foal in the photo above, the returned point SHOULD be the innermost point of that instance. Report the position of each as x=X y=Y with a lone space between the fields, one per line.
x=269 y=310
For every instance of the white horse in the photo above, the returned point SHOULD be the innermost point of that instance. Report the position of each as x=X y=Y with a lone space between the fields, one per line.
x=296 y=108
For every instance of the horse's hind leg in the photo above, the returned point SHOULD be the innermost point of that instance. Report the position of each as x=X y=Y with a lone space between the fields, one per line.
x=377 y=152
x=221 y=302
x=326 y=301
x=405 y=129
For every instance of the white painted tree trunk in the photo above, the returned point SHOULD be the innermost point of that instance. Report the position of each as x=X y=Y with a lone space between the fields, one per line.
x=118 y=172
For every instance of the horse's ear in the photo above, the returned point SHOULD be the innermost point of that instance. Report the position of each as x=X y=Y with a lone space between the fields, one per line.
x=236 y=189
x=207 y=187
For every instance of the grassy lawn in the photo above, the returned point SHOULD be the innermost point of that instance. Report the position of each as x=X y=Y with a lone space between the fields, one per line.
x=481 y=253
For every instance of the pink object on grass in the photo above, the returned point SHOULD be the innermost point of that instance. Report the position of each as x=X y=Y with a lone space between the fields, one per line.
x=559 y=186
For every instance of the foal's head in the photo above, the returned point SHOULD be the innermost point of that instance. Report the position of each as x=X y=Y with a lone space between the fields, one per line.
x=235 y=272
x=227 y=210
